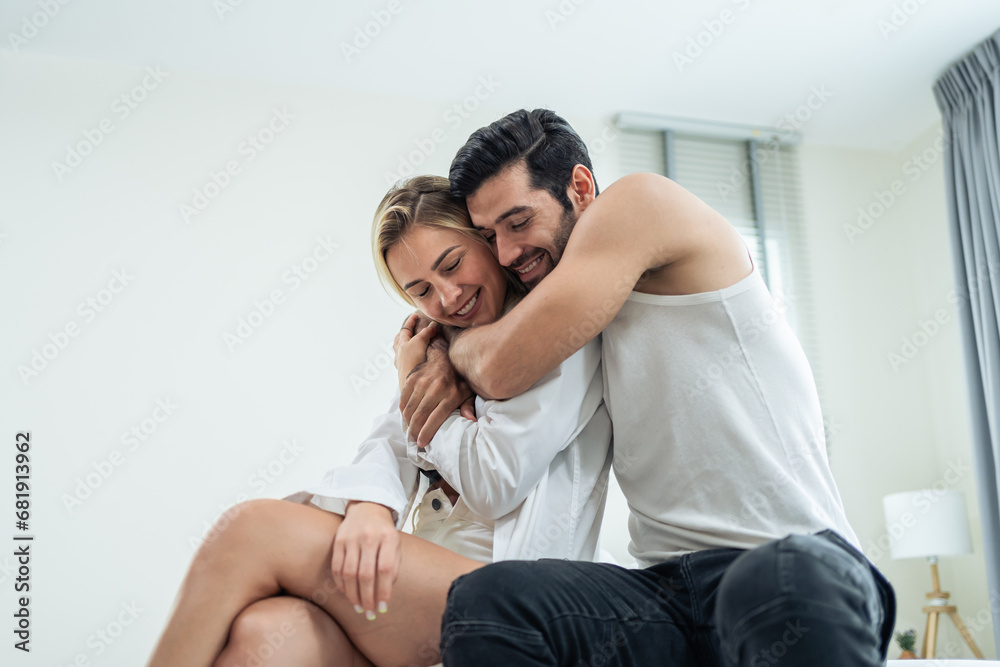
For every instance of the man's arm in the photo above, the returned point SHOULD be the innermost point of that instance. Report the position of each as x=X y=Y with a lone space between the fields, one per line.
x=641 y=222
x=431 y=392
x=496 y=462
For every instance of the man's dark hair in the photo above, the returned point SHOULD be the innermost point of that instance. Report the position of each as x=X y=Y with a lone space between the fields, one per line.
x=547 y=144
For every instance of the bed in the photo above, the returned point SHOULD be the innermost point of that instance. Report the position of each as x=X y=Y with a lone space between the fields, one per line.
x=940 y=663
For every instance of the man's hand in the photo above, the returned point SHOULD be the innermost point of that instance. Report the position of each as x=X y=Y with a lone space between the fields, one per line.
x=431 y=392
x=366 y=557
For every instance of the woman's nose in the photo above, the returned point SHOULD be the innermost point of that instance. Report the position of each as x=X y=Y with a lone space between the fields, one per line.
x=450 y=293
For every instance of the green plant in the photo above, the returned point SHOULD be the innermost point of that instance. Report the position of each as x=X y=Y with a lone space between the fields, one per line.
x=907 y=640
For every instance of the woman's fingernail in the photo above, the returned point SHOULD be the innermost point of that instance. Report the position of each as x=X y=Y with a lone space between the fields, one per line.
x=358 y=608
x=382 y=607
x=370 y=615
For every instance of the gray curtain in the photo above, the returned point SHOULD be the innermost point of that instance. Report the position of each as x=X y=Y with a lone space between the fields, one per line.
x=969 y=98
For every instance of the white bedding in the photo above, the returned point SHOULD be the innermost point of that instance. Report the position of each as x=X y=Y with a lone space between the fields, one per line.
x=940 y=663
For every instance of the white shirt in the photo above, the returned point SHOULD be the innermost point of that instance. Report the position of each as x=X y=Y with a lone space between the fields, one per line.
x=536 y=465
x=719 y=439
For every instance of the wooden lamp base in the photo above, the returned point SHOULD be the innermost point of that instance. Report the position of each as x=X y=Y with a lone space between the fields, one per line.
x=939 y=605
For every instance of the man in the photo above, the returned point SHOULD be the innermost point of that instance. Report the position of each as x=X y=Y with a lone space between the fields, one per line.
x=747 y=556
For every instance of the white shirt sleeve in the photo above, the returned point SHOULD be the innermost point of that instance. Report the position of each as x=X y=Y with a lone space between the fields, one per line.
x=496 y=461
x=380 y=473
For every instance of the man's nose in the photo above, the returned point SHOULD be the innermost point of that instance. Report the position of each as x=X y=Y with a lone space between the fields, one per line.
x=507 y=251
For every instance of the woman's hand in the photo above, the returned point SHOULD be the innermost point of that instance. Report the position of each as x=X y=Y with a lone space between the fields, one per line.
x=366 y=557
x=412 y=325
x=435 y=390
x=411 y=348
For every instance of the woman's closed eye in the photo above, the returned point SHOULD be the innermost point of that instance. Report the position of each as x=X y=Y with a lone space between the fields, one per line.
x=446 y=269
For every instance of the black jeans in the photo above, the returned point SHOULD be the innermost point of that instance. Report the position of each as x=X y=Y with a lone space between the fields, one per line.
x=803 y=600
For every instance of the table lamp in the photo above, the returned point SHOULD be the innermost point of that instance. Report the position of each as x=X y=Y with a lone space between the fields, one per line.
x=930 y=524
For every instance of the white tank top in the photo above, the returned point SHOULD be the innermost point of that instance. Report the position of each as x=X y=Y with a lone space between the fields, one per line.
x=718 y=435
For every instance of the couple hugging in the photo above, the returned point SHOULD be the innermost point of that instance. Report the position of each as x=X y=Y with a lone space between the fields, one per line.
x=559 y=318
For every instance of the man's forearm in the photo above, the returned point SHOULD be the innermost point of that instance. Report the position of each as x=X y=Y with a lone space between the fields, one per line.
x=464 y=353
x=482 y=356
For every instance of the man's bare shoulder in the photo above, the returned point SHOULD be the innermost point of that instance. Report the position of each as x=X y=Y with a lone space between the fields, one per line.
x=688 y=247
x=651 y=206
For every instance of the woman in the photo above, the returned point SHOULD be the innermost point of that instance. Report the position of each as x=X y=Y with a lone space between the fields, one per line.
x=527 y=479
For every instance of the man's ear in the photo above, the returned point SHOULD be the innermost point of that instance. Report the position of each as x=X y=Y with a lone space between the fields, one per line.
x=581 y=189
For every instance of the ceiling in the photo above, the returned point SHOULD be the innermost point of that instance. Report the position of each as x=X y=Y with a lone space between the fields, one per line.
x=867 y=66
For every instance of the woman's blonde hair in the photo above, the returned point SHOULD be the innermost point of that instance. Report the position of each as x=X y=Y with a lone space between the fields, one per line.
x=425 y=201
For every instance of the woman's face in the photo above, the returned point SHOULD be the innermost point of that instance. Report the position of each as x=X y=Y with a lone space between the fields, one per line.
x=450 y=277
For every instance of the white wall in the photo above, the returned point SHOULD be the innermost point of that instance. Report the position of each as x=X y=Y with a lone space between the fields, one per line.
x=900 y=423
x=311 y=374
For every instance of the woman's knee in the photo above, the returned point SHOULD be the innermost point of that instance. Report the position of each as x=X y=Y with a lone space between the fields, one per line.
x=238 y=528
x=280 y=614
x=263 y=628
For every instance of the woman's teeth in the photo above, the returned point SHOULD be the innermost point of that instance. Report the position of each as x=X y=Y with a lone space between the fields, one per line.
x=529 y=267
x=468 y=306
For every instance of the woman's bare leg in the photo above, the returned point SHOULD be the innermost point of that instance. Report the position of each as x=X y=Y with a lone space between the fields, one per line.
x=286 y=630
x=269 y=547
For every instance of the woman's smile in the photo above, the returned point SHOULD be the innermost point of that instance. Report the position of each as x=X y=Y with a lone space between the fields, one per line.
x=469 y=305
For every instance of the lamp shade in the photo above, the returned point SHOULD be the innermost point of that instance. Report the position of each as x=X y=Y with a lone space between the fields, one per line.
x=927 y=523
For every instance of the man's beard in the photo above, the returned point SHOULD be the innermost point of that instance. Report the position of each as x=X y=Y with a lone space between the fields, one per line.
x=561 y=237
x=559 y=240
